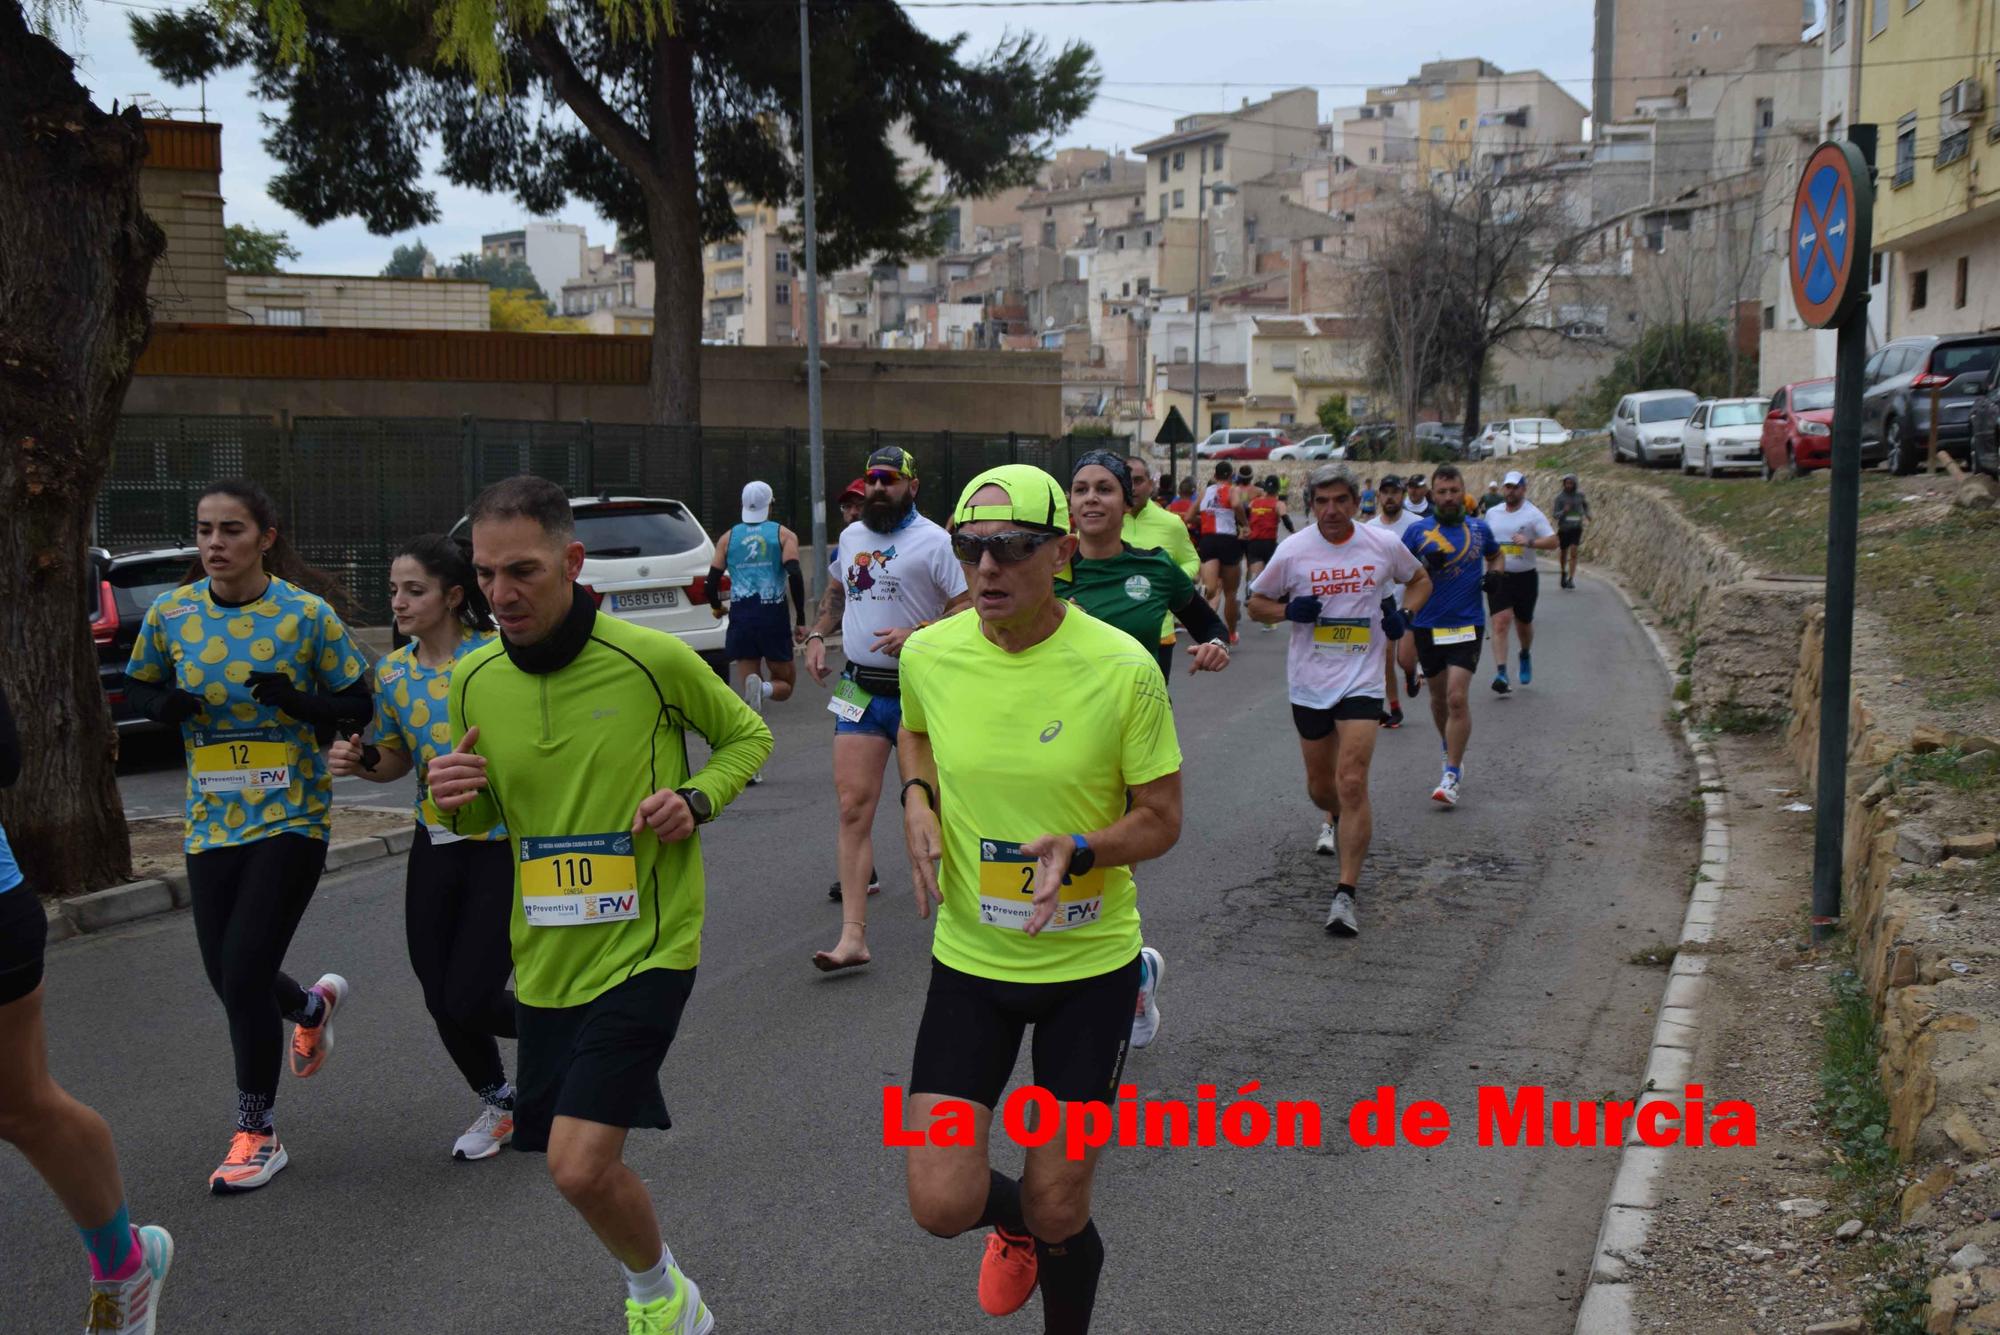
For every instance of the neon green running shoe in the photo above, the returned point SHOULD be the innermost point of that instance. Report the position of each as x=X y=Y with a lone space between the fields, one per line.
x=683 y=1314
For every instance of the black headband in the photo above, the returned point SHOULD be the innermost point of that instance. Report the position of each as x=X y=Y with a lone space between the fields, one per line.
x=1113 y=464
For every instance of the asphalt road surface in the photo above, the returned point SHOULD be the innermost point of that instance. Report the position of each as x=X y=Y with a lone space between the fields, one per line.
x=1494 y=951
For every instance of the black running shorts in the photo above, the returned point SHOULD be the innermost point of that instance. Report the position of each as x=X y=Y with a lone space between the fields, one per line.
x=1567 y=538
x=1260 y=550
x=1435 y=658
x=598 y=1062
x=972 y=1027
x=1523 y=588
x=24 y=935
x=1224 y=547
x=1314 y=724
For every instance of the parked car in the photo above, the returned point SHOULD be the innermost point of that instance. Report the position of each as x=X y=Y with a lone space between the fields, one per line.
x=646 y=560
x=1521 y=434
x=1723 y=434
x=1440 y=433
x=1371 y=440
x=1646 y=427
x=1798 y=429
x=126 y=585
x=1483 y=445
x=1256 y=447
x=1897 y=387
x=1223 y=438
x=1983 y=443
x=1322 y=446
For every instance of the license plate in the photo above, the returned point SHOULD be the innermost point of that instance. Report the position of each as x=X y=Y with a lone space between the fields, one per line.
x=644 y=598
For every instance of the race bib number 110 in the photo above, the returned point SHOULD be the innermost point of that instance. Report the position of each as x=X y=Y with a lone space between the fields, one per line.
x=578 y=879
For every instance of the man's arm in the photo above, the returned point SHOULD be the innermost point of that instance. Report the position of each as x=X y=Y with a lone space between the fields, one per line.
x=922 y=831
x=1417 y=590
x=1150 y=826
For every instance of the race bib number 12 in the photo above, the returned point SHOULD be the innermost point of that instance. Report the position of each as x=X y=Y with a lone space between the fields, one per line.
x=577 y=880
x=230 y=762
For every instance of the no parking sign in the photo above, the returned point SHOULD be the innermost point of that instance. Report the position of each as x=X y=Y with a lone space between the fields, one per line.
x=1830 y=220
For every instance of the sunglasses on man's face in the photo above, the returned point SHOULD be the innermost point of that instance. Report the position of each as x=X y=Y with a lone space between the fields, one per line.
x=882 y=477
x=1007 y=548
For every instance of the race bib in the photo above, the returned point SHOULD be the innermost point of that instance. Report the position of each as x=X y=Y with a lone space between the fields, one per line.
x=230 y=762
x=1513 y=550
x=1007 y=890
x=1454 y=634
x=1342 y=635
x=849 y=701
x=576 y=880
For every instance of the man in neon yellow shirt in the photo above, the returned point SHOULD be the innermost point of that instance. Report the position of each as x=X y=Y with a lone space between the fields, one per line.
x=1041 y=765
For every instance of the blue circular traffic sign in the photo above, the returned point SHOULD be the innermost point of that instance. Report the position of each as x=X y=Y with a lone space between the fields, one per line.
x=1831 y=219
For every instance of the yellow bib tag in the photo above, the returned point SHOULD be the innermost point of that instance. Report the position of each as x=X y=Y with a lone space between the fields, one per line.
x=1454 y=634
x=1513 y=550
x=230 y=762
x=1344 y=635
x=579 y=879
x=1007 y=890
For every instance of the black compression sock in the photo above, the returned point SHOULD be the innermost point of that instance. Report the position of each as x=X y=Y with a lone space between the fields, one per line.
x=1344 y=886
x=1068 y=1274
x=1003 y=1205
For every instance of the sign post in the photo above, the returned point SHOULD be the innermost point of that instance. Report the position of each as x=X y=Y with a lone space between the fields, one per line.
x=1832 y=234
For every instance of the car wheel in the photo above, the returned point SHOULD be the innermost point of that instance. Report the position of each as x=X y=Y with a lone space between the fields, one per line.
x=1639 y=453
x=1895 y=451
x=1770 y=473
x=1708 y=464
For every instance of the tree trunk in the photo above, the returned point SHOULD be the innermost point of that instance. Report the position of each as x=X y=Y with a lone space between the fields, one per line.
x=673 y=215
x=1471 y=423
x=76 y=250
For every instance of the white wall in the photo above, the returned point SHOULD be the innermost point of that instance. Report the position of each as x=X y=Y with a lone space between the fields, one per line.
x=555 y=255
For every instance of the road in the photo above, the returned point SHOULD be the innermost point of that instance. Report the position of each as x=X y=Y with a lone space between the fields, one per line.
x=1494 y=951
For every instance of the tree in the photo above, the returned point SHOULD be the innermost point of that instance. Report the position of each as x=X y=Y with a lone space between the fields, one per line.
x=523 y=312
x=407 y=261
x=252 y=250
x=76 y=251
x=1333 y=417
x=656 y=112
x=498 y=274
x=1404 y=296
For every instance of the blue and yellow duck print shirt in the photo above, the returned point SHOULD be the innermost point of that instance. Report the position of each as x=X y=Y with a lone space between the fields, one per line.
x=413 y=715
x=252 y=771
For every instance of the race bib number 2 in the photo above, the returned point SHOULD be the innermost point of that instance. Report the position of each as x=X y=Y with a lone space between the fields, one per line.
x=230 y=762
x=577 y=880
x=1007 y=890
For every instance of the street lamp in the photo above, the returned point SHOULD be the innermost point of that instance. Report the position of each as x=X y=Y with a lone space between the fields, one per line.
x=1200 y=284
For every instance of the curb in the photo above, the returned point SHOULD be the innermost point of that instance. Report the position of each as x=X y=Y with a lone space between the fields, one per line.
x=1607 y=1306
x=138 y=900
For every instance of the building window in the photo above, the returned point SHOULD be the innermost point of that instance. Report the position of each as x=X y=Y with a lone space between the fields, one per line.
x=1125 y=289
x=1218 y=421
x=1146 y=237
x=1770 y=317
x=1119 y=243
x=1319 y=244
x=1218 y=157
x=1437 y=134
x=1461 y=122
x=1954 y=131
x=1180 y=199
x=1959 y=283
x=1436 y=92
x=1875 y=269
x=1284 y=356
x=781 y=294
x=1180 y=161
x=1920 y=289
x=1906 y=149
x=1760 y=131
x=1878 y=17
x=1145 y=286
x=782 y=262
x=1837 y=22
x=1371 y=155
x=1163 y=204
x=285 y=315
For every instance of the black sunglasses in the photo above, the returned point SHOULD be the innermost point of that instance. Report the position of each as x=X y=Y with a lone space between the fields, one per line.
x=1007 y=548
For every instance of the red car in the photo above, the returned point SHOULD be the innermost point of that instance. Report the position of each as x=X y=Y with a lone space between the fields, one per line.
x=1798 y=429
x=1259 y=447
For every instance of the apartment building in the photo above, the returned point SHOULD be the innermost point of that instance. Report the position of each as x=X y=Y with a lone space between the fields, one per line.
x=1078 y=205
x=554 y=252
x=1224 y=148
x=611 y=279
x=1644 y=49
x=350 y=301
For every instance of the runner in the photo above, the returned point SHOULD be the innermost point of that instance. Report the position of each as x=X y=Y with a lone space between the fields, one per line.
x=851 y=500
x=1492 y=500
x=458 y=890
x=1051 y=733
x=1368 y=496
x=1151 y=525
x=1331 y=583
x=1224 y=514
x=1462 y=558
x=1521 y=530
x=63 y=1140
x=896 y=574
x=575 y=725
x=1572 y=511
x=258 y=674
x=1266 y=513
x=1417 y=496
x=1183 y=505
x=1397 y=520
x=762 y=558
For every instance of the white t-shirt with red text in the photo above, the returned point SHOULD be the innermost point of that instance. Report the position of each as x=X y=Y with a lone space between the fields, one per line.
x=1342 y=655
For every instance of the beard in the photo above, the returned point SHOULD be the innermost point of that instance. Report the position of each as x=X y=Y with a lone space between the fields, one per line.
x=882 y=516
x=1450 y=514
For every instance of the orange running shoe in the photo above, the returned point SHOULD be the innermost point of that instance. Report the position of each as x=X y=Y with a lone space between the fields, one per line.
x=252 y=1161
x=312 y=1045
x=1007 y=1273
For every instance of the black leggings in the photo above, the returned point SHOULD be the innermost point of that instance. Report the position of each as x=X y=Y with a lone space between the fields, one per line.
x=458 y=903
x=247 y=903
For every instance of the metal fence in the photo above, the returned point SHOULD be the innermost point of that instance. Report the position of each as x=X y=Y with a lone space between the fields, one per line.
x=352 y=489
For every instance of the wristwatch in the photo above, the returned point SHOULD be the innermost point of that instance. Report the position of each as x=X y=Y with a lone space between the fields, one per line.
x=698 y=803
x=1085 y=857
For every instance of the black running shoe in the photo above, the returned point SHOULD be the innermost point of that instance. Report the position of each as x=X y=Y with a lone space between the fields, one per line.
x=874 y=886
x=1393 y=718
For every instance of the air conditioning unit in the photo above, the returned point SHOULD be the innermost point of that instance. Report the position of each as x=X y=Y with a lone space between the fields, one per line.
x=1967 y=98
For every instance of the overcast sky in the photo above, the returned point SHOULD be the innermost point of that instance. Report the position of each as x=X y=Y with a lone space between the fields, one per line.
x=1159 y=61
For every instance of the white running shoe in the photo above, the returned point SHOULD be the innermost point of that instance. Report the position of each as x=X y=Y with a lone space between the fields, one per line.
x=1328 y=843
x=483 y=1139
x=1340 y=920
x=132 y=1306
x=753 y=693
x=683 y=1314
x=1447 y=790
x=1146 y=1014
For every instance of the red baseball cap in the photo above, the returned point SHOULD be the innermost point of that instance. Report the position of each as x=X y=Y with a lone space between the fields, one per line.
x=857 y=489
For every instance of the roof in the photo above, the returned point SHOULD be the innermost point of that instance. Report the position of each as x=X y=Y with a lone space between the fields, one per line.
x=1211 y=125
x=1307 y=326
x=1283 y=402
x=1216 y=376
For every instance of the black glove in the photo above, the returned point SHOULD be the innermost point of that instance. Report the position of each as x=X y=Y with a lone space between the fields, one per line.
x=274 y=690
x=1497 y=599
x=1303 y=609
x=1435 y=561
x=1392 y=619
x=177 y=706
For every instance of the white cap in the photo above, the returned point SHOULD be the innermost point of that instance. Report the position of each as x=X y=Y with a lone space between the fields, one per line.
x=756 y=502
x=1513 y=479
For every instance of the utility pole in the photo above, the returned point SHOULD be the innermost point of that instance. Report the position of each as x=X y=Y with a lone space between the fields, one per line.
x=1200 y=283
x=815 y=439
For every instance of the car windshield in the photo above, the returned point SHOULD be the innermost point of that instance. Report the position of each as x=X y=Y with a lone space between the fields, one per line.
x=1667 y=410
x=1812 y=398
x=1737 y=414
x=637 y=528
x=1535 y=426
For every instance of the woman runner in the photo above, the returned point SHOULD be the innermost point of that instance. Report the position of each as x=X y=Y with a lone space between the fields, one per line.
x=258 y=674
x=458 y=890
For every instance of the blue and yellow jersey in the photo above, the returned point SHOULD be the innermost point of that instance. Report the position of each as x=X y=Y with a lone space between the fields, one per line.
x=252 y=771
x=413 y=715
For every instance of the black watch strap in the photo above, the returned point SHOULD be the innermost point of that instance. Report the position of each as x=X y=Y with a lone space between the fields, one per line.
x=903 y=798
x=698 y=803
